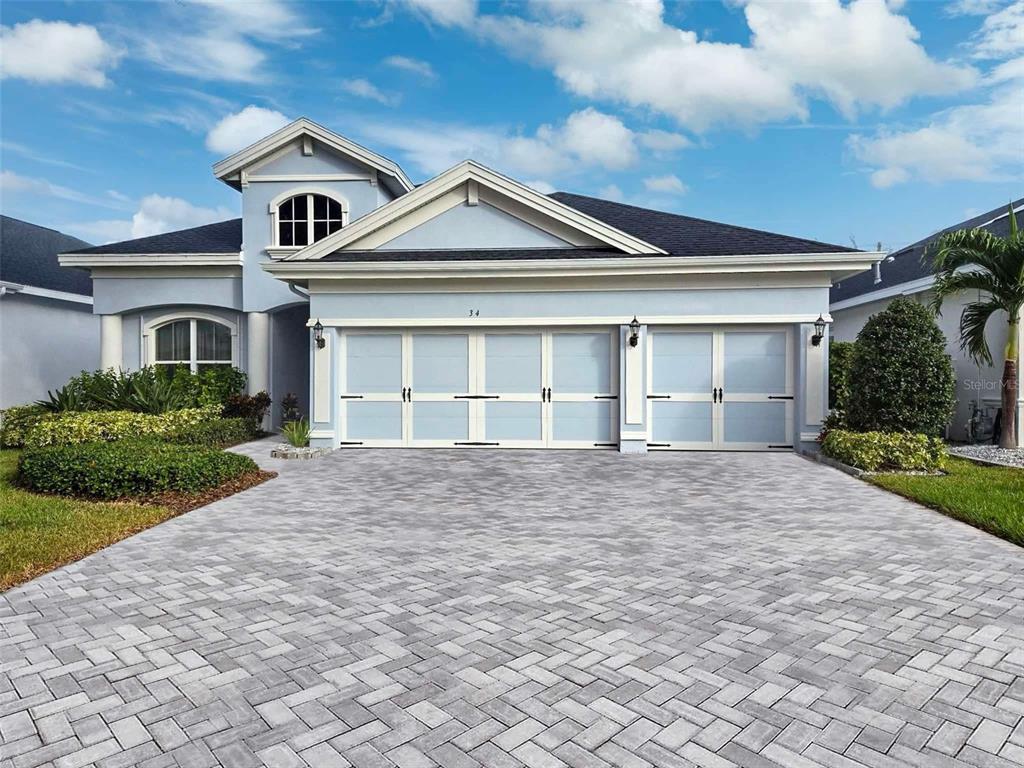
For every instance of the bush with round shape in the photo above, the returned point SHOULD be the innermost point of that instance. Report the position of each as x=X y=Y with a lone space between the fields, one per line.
x=879 y=451
x=129 y=468
x=17 y=421
x=840 y=353
x=72 y=428
x=900 y=374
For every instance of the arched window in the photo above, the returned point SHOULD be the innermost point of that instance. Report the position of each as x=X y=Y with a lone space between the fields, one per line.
x=306 y=218
x=195 y=342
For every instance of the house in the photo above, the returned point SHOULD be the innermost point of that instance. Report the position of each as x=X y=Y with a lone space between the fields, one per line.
x=48 y=332
x=908 y=272
x=472 y=310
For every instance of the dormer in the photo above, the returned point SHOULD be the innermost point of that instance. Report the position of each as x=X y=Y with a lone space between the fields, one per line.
x=303 y=183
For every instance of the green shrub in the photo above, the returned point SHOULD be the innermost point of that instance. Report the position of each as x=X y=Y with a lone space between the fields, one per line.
x=290 y=408
x=128 y=468
x=109 y=426
x=220 y=433
x=147 y=390
x=874 y=451
x=250 y=407
x=296 y=433
x=840 y=354
x=901 y=377
x=17 y=421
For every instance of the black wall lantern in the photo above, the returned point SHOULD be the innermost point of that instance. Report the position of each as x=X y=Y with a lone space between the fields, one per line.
x=634 y=332
x=318 y=334
x=819 y=331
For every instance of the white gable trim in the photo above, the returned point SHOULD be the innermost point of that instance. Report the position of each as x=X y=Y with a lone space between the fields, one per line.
x=44 y=293
x=490 y=186
x=903 y=289
x=299 y=130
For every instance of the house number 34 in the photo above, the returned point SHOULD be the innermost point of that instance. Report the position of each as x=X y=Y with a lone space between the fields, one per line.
x=474 y=313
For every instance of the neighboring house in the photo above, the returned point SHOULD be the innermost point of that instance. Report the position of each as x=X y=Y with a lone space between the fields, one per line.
x=48 y=332
x=473 y=310
x=908 y=272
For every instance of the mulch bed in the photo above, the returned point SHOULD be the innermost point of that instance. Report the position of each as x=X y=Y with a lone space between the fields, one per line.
x=185 y=502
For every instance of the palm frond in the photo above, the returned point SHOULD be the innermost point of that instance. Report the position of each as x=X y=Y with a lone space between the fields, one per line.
x=950 y=283
x=973 y=320
x=971 y=248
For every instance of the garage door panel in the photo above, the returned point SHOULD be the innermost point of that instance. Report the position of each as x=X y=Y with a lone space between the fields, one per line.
x=581 y=363
x=754 y=361
x=682 y=422
x=440 y=421
x=756 y=423
x=682 y=362
x=514 y=421
x=513 y=363
x=582 y=422
x=373 y=363
x=374 y=421
x=440 y=363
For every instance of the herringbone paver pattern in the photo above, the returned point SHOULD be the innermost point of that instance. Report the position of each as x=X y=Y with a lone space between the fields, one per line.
x=533 y=609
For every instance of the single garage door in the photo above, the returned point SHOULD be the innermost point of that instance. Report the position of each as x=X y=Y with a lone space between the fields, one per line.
x=512 y=389
x=715 y=389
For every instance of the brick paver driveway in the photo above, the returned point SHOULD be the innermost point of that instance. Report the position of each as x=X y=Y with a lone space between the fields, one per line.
x=460 y=608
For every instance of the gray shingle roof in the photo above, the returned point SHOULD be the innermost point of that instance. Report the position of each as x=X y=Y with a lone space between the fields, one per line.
x=28 y=256
x=908 y=263
x=221 y=237
x=687 y=236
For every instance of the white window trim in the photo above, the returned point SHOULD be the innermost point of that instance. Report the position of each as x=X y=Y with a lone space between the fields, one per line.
x=275 y=248
x=149 y=337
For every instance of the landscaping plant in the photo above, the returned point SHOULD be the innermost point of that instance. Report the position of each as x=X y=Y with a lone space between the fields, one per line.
x=290 y=408
x=17 y=421
x=977 y=260
x=110 y=426
x=840 y=353
x=296 y=433
x=253 y=408
x=902 y=378
x=874 y=451
x=219 y=433
x=130 y=468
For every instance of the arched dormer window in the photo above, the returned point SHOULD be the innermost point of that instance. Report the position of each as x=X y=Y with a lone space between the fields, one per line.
x=305 y=218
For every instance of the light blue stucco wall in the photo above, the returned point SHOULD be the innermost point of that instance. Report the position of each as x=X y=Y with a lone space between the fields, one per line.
x=734 y=302
x=474 y=226
x=133 y=350
x=260 y=291
x=43 y=343
x=116 y=295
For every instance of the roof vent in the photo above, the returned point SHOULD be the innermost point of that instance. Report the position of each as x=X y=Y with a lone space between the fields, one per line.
x=878 y=265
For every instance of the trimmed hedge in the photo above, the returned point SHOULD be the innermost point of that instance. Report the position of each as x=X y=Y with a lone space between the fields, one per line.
x=73 y=428
x=128 y=468
x=17 y=421
x=840 y=355
x=219 y=433
x=874 y=451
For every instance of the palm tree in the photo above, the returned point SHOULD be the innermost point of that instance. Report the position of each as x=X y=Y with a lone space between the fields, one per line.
x=976 y=259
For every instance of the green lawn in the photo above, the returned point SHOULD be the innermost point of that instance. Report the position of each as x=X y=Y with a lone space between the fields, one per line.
x=990 y=498
x=39 y=533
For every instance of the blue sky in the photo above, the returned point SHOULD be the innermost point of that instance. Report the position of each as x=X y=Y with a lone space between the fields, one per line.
x=832 y=120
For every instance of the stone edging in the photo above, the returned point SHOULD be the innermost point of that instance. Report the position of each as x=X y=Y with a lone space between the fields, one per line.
x=285 y=451
x=821 y=458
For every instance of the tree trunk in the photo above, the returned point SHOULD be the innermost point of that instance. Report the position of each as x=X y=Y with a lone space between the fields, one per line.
x=1008 y=436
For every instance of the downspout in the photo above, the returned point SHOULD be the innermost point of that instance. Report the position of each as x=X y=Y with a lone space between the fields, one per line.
x=298 y=291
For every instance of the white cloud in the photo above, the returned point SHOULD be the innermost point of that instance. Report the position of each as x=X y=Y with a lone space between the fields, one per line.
x=857 y=55
x=973 y=7
x=364 y=89
x=664 y=141
x=265 y=20
x=544 y=187
x=447 y=13
x=159 y=214
x=669 y=183
x=36 y=156
x=210 y=55
x=55 y=52
x=973 y=142
x=415 y=66
x=612 y=192
x=13 y=185
x=587 y=139
x=241 y=129
x=1001 y=34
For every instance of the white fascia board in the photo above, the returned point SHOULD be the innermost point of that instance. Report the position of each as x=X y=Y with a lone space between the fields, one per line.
x=463 y=173
x=902 y=289
x=306 y=127
x=45 y=293
x=635 y=265
x=545 y=321
x=149 y=259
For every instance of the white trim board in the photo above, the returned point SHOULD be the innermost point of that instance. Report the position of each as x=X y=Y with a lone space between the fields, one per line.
x=149 y=259
x=44 y=293
x=902 y=289
x=487 y=180
x=544 y=322
x=299 y=129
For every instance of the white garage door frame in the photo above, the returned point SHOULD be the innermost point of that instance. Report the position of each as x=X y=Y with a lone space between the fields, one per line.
x=479 y=387
x=720 y=388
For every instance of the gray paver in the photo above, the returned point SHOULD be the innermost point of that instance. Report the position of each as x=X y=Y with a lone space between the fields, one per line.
x=472 y=608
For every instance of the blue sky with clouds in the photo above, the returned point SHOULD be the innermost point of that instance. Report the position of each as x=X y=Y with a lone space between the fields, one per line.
x=879 y=121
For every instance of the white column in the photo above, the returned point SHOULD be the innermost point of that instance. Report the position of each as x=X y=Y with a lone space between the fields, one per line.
x=111 y=347
x=257 y=348
x=632 y=392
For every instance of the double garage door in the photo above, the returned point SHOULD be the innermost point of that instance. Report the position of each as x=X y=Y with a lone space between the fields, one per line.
x=529 y=389
x=706 y=388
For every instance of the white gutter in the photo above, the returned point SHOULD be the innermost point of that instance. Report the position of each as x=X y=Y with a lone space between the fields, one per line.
x=45 y=293
x=149 y=259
